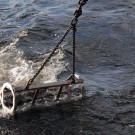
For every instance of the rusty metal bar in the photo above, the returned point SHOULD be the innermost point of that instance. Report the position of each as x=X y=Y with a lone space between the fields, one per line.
x=59 y=92
x=48 y=85
x=35 y=96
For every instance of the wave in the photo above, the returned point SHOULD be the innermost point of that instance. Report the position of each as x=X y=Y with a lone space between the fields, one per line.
x=18 y=70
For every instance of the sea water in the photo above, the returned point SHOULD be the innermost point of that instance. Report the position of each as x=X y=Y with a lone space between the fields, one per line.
x=105 y=59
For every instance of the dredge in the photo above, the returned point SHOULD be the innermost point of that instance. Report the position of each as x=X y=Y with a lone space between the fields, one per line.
x=47 y=89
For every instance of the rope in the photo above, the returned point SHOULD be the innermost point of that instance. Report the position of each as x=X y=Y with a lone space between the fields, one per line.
x=72 y=26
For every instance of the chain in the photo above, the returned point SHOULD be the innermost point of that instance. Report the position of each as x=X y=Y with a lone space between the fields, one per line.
x=77 y=13
x=47 y=59
x=72 y=26
x=74 y=32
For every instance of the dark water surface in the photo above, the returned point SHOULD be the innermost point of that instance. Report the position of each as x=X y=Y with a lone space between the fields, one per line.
x=105 y=59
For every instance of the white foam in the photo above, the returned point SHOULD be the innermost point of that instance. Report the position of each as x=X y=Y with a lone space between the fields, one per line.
x=17 y=70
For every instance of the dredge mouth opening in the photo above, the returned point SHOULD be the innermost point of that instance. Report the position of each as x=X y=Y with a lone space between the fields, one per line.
x=7 y=100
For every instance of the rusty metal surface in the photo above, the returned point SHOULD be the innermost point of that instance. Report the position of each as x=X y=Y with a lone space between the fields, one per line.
x=48 y=85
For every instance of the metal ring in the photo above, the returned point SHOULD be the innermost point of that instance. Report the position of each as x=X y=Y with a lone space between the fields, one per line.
x=4 y=107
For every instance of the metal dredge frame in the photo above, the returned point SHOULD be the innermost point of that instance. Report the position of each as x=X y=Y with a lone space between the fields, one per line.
x=72 y=79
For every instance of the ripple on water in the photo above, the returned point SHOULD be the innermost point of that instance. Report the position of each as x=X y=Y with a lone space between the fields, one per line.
x=106 y=62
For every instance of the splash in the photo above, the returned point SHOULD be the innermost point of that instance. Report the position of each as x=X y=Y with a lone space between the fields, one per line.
x=18 y=70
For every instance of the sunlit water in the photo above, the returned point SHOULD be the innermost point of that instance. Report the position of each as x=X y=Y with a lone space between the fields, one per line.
x=105 y=58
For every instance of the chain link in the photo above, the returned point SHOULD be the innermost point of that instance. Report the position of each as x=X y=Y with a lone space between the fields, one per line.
x=82 y=2
x=72 y=26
